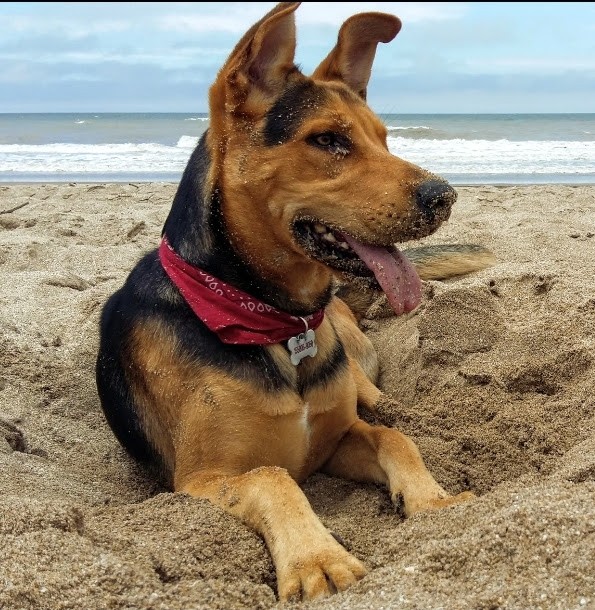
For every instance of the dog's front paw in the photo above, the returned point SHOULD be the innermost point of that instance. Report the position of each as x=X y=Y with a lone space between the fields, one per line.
x=417 y=505
x=307 y=574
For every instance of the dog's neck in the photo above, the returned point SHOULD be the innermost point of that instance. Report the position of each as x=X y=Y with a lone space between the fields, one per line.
x=196 y=230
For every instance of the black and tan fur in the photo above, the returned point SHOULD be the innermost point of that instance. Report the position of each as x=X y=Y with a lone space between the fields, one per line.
x=240 y=425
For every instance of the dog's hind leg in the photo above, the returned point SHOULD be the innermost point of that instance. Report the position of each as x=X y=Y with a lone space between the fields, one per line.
x=309 y=561
x=385 y=455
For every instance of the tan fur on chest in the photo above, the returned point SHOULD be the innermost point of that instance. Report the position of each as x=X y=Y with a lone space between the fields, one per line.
x=203 y=415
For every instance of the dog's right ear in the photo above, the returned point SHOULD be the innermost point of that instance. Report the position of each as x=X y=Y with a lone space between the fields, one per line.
x=257 y=69
x=251 y=79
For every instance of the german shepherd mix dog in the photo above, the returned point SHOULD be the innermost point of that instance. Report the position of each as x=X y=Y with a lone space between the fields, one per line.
x=227 y=357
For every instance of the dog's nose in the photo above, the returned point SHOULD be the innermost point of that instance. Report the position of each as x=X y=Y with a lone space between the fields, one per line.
x=434 y=196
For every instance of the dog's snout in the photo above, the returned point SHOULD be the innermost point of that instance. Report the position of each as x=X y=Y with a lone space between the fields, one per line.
x=434 y=196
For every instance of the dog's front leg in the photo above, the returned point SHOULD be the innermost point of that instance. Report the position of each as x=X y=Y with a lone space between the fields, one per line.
x=309 y=562
x=385 y=455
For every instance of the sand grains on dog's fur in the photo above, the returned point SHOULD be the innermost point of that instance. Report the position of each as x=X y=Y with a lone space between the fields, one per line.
x=494 y=375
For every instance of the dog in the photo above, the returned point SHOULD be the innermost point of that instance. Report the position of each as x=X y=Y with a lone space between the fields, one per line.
x=227 y=356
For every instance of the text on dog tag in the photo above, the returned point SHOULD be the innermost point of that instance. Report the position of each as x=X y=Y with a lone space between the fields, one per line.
x=301 y=346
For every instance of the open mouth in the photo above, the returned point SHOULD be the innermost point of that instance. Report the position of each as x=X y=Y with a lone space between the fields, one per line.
x=330 y=247
x=390 y=268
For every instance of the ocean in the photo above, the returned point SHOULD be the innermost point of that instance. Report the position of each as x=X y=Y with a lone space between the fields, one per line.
x=135 y=147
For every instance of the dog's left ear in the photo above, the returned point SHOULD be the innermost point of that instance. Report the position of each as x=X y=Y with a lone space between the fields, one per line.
x=352 y=58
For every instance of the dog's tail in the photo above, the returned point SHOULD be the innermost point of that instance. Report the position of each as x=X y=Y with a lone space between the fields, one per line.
x=431 y=263
x=450 y=260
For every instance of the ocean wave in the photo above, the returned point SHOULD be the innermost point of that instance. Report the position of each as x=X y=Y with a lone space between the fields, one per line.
x=75 y=149
x=461 y=156
x=106 y=159
x=188 y=142
x=445 y=157
x=405 y=128
x=420 y=132
x=197 y=118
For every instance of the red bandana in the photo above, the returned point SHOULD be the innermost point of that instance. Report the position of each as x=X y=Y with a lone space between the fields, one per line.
x=234 y=315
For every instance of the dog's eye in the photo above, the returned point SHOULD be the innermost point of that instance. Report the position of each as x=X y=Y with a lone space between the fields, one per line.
x=330 y=141
x=324 y=139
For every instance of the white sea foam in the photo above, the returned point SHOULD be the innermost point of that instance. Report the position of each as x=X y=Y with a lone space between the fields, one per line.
x=76 y=149
x=465 y=159
x=188 y=142
x=91 y=158
x=405 y=128
x=497 y=157
x=197 y=118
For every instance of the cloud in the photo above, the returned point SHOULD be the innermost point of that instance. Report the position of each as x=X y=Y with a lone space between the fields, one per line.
x=324 y=13
x=172 y=60
x=449 y=57
x=74 y=29
x=112 y=87
x=529 y=65
x=78 y=77
x=236 y=17
x=481 y=93
x=230 y=17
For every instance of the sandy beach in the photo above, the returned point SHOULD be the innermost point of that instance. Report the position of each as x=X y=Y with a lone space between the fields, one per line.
x=495 y=372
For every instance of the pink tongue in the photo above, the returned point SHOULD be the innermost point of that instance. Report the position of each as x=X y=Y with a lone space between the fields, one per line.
x=394 y=272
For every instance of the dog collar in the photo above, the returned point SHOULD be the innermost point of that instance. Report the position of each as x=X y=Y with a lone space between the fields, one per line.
x=235 y=316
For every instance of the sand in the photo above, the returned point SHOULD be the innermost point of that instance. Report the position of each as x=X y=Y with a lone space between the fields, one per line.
x=495 y=371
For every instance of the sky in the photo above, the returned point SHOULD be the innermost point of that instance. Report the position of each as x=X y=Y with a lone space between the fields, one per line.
x=450 y=57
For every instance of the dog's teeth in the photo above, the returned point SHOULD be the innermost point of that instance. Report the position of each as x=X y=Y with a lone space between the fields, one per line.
x=344 y=245
x=329 y=237
x=319 y=228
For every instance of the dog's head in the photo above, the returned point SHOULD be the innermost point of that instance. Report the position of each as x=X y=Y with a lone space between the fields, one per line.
x=308 y=184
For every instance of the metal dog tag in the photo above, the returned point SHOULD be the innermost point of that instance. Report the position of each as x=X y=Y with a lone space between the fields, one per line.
x=301 y=346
